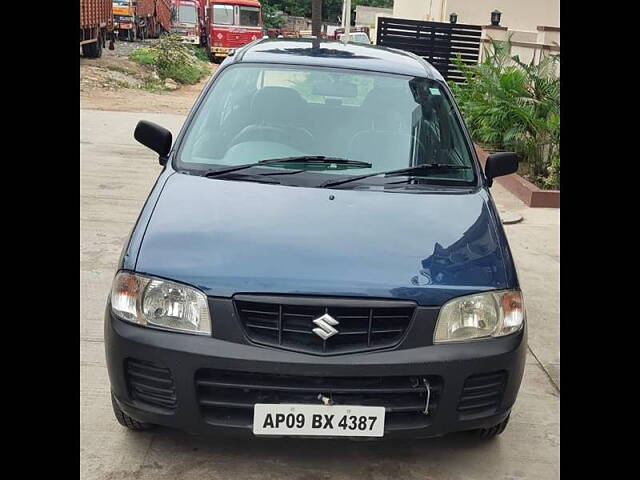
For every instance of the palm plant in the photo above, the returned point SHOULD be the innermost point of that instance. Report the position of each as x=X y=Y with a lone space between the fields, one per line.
x=511 y=105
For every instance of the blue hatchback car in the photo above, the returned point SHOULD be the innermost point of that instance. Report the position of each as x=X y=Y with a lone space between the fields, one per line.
x=320 y=256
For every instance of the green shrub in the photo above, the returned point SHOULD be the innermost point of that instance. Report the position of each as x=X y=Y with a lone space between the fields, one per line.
x=188 y=74
x=510 y=105
x=200 y=53
x=173 y=59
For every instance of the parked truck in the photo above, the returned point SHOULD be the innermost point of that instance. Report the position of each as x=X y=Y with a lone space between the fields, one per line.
x=140 y=19
x=96 y=22
x=230 y=24
x=188 y=20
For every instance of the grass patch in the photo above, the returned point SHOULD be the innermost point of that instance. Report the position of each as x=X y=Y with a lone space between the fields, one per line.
x=153 y=85
x=143 y=56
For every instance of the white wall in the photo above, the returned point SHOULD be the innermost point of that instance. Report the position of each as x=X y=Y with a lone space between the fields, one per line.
x=429 y=10
x=516 y=14
x=366 y=16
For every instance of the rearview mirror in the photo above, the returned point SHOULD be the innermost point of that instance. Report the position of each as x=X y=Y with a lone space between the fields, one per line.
x=155 y=137
x=499 y=164
x=335 y=89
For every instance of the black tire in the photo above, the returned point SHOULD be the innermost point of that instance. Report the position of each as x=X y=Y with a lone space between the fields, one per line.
x=126 y=421
x=93 y=49
x=491 y=432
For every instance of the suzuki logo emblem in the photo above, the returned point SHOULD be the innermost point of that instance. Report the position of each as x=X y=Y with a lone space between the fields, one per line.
x=325 y=325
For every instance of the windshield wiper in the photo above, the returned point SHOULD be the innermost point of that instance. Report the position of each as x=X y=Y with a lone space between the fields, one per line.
x=309 y=160
x=243 y=177
x=425 y=167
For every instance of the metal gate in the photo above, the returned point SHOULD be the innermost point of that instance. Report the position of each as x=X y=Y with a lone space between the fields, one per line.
x=438 y=43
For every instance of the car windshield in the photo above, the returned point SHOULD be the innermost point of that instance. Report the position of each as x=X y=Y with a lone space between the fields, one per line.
x=187 y=14
x=258 y=112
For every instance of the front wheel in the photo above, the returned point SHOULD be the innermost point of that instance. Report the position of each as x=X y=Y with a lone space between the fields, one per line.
x=491 y=432
x=126 y=421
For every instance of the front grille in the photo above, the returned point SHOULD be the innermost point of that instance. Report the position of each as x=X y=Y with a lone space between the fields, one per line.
x=233 y=42
x=482 y=394
x=362 y=325
x=227 y=398
x=151 y=384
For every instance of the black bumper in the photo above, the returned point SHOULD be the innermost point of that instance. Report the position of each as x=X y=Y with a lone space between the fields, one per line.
x=187 y=356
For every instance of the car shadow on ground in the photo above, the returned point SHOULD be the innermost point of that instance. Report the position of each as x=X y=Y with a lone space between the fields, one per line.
x=175 y=454
x=314 y=449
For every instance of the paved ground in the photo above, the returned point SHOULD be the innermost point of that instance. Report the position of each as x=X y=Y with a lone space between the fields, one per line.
x=116 y=176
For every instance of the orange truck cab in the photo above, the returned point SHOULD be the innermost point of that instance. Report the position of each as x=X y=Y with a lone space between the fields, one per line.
x=124 y=19
x=232 y=24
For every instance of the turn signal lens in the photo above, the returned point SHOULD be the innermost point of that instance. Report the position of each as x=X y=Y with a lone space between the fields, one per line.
x=513 y=312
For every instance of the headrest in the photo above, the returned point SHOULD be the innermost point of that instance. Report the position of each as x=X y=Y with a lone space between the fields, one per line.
x=276 y=103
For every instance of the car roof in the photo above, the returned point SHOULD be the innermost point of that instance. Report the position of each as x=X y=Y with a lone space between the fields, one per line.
x=331 y=53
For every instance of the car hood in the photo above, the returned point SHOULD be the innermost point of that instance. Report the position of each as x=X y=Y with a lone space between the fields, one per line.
x=227 y=237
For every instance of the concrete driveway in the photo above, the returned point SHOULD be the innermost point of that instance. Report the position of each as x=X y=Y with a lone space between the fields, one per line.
x=116 y=176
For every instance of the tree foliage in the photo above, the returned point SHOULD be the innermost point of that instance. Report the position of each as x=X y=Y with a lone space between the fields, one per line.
x=331 y=9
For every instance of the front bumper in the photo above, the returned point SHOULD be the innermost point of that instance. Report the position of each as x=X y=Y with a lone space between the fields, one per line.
x=186 y=355
x=220 y=51
x=192 y=40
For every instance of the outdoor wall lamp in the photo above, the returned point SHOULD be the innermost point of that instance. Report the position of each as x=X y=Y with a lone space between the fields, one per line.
x=453 y=18
x=495 y=17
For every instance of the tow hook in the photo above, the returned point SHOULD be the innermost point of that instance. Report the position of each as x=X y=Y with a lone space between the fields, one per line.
x=426 y=406
x=325 y=400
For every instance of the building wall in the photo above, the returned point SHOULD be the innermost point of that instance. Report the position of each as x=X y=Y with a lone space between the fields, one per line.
x=366 y=16
x=295 y=24
x=524 y=15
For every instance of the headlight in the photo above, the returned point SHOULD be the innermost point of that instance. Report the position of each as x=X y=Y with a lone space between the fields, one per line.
x=491 y=314
x=160 y=303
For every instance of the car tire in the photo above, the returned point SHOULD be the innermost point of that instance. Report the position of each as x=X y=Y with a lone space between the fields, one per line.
x=126 y=421
x=491 y=432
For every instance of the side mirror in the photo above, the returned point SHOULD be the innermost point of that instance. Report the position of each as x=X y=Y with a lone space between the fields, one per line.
x=499 y=164
x=155 y=137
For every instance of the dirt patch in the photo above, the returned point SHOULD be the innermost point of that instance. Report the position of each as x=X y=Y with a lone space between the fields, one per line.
x=115 y=83
x=132 y=100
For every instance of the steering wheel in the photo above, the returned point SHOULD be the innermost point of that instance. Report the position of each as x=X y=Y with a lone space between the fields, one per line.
x=297 y=137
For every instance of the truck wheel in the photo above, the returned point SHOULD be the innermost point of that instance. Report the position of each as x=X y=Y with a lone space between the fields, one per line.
x=92 y=50
x=126 y=421
x=491 y=432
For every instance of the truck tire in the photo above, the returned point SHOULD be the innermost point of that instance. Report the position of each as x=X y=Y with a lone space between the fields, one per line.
x=491 y=432
x=93 y=49
x=126 y=421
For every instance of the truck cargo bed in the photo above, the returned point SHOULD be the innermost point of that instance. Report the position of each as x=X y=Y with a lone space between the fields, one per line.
x=95 y=13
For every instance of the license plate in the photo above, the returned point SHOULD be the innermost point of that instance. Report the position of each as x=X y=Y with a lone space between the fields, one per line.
x=318 y=420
